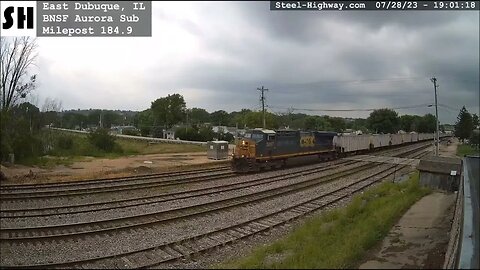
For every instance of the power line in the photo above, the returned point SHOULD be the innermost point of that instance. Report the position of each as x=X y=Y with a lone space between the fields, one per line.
x=350 y=110
x=366 y=80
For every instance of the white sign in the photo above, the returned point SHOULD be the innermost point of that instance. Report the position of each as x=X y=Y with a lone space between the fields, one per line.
x=453 y=172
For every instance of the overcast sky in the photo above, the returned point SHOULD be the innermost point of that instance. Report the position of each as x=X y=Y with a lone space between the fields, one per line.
x=217 y=54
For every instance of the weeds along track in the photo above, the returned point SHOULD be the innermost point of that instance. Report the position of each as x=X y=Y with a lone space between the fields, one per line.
x=219 y=236
x=175 y=195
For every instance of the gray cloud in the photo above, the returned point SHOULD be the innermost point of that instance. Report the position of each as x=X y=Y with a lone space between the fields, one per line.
x=326 y=60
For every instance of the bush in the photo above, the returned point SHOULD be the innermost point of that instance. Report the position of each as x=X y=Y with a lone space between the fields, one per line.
x=101 y=139
x=65 y=142
x=130 y=131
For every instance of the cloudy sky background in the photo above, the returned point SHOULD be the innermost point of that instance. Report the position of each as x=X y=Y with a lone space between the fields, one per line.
x=217 y=54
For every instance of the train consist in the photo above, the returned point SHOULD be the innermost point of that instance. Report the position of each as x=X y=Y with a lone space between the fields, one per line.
x=265 y=149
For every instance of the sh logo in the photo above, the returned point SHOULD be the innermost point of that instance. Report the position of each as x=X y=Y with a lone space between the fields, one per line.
x=18 y=18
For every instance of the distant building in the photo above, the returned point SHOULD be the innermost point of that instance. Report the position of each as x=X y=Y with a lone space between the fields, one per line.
x=169 y=134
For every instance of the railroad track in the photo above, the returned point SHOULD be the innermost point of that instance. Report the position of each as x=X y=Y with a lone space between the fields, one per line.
x=130 y=202
x=12 y=205
x=110 y=182
x=205 y=241
x=97 y=206
x=155 y=183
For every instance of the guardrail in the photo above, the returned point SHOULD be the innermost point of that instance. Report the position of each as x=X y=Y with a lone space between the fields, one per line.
x=140 y=138
x=463 y=248
x=469 y=249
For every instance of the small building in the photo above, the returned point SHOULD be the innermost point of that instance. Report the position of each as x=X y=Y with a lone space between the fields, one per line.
x=168 y=134
x=440 y=172
x=217 y=150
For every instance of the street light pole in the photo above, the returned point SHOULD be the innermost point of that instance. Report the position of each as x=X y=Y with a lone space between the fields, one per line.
x=437 y=140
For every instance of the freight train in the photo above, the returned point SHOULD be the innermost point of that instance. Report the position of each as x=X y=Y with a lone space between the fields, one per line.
x=266 y=149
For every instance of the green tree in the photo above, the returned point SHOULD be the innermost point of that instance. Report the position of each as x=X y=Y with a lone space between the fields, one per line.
x=168 y=111
x=357 y=124
x=310 y=123
x=93 y=118
x=17 y=55
x=101 y=139
x=383 y=121
x=198 y=116
x=255 y=120
x=427 y=124
x=72 y=120
x=238 y=118
x=220 y=118
x=20 y=127
x=110 y=119
x=464 y=125
x=475 y=120
x=144 y=122
x=407 y=123
x=337 y=123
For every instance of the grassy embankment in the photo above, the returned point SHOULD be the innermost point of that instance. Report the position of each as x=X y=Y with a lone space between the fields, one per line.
x=465 y=149
x=338 y=238
x=82 y=150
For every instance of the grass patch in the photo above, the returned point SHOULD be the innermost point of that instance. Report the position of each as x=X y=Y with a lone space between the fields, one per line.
x=144 y=148
x=338 y=238
x=77 y=147
x=465 y=149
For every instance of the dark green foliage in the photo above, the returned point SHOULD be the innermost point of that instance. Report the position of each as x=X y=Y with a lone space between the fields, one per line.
x=384 y=121
x=475 y=138
x=201 y=134
x=475 y=120
x=198 y=116
x=409 y=123
x=144 y=121
x=225 y=137
x=427 y=124
x=65 y=142
x=101 y=139
x=19 y=127
x=168 y=111
x=157 y=132
x=310 y=123
x=464 y=125
x=130 y=131
x=255 y=120
x=219 y=118
x=72 y=120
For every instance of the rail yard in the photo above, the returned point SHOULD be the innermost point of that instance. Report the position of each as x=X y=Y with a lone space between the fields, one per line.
x=155 y=220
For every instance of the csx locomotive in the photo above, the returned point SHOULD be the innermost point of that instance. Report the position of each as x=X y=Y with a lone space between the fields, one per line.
x=266 y=149
x=262 y=148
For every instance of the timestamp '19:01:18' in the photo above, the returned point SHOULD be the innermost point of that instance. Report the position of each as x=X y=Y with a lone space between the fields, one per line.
x=108 y=30
x=454 y=5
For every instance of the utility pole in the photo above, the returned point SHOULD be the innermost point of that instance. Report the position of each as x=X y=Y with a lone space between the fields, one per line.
x=263 y=102
x=437 y=140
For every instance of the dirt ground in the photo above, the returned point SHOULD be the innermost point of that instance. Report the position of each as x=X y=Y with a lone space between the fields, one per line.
x=448 y=149
x=419 y=240
x=102 y=167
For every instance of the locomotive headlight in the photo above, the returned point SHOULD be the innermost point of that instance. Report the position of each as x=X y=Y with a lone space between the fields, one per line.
x=243 y=142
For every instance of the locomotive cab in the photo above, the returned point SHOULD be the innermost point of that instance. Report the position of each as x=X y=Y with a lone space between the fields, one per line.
x=245 y=152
